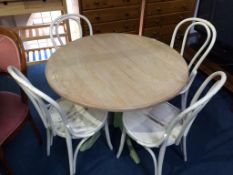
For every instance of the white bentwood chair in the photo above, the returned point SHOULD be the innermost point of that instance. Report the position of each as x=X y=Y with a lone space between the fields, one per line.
x=165 y=111
x=54 y=27
x=144 y=127
x=57 y=41
x=201 y=53
x=63 y=118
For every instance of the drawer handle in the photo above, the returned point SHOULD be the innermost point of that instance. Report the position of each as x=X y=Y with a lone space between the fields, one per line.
x=96 y=3
x=159 y=9
x=157 y=21
x=184 y=6
x=97 y=18
x=179 y=37
x=97 y=31
x=181 y=17
x=126 y=26
x=127 y=14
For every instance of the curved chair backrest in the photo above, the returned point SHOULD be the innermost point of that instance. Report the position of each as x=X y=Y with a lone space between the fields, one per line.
x=54 y=26
x=197 y=104
x=11 y=50
x=40 y=100
x=204 y=49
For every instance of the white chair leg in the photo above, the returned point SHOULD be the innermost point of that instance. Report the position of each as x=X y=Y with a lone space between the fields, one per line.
x=122 y=143
x=184 y=149
x=161 y=158
x=76 y=152
x=184 y=101
x=70 y=154
x=107 y=135
x=154 y=159
x=48 y=141
x=51 y=138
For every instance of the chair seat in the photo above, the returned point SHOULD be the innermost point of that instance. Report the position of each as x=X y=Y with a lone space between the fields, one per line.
x=12 y=113
x=147 y=126
x=84 y=122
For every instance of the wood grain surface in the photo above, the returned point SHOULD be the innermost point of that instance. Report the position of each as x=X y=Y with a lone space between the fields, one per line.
x=116 y=72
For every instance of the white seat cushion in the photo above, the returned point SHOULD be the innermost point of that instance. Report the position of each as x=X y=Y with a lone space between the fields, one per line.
x=147 y=126
x=84 y=122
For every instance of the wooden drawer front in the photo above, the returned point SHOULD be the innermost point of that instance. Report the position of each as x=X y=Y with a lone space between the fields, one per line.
x=167 y=39
x=149 y=1
x=109 y=15
x=152 y=21
x=160 y=30
x=98 y=4
x=119 y=26
x=169 y=7
x=163 y=32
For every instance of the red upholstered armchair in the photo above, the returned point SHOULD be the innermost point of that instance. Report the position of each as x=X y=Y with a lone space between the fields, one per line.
x=14 y=110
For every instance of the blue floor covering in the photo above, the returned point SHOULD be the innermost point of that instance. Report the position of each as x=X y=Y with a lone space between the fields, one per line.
x=210 y=144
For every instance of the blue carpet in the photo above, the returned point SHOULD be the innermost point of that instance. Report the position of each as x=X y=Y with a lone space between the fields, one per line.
x=210 y=144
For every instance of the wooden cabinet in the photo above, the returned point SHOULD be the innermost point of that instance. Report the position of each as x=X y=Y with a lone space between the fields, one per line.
x=112 y=15
x=161 y=17
x=116 y=26
x=99 y=4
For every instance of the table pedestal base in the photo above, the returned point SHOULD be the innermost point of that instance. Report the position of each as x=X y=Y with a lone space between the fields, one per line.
x=117 y=123
x=89 y=143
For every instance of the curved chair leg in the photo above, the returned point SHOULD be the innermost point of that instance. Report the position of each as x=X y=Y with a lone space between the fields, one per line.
x=70 y=153
x=154 y=159
x=4 y=163
x=35 y=129
x=161 y=158
x=49 y=140
x=184 y=100
x=184 y=149
x=76 y=152
x=107 y=135
x=122 y=143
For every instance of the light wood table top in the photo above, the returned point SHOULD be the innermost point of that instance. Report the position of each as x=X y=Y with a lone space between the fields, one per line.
x=116 y=72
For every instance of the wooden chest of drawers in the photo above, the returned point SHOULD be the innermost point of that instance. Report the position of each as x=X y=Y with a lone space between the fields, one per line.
x=100 y=4
x=112 y=15
x=161 y=17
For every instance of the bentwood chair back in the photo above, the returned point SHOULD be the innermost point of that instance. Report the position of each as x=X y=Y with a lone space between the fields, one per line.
x=189 y=24
x=63 y=118
x=144 y=127
x=54 y=27
x=187 y=117
x=14 y=110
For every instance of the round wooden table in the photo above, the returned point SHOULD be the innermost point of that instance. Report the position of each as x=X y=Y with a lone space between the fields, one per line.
x=116 y=72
